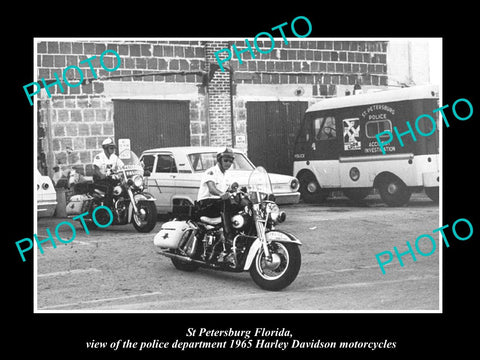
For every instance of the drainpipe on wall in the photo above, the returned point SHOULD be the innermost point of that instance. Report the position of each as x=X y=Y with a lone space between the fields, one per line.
x=49 y=136
x=231 y=108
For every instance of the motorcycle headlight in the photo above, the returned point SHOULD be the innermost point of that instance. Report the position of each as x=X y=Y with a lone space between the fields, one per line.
x=276 y=215
x=137 y=180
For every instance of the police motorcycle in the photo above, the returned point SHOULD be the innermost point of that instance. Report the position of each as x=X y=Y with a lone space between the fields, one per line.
x=271 y=256
x=130 y=202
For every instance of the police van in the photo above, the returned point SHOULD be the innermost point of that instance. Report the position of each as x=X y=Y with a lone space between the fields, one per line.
x=336 y=147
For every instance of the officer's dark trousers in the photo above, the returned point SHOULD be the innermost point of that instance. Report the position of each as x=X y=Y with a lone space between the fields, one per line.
x=218 y=207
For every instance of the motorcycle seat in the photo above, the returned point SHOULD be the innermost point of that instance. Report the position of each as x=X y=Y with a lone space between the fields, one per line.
x=211 y=221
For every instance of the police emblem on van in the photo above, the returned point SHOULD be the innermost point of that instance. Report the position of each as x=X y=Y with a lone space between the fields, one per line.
x=351 y=134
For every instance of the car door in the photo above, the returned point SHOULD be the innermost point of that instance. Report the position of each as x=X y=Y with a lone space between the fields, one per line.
x=187 y=181
x=161 y=182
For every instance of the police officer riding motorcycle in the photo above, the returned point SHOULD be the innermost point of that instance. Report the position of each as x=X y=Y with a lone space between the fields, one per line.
x=213 y=198
x=105 y=164
x=117 y=194
x=233 y=228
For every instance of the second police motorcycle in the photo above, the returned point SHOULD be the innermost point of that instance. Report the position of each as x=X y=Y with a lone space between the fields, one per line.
x=130 y=202
x=271 y=256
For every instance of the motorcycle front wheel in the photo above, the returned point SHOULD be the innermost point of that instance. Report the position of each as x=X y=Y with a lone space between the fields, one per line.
x=281 y=271
x=146 y=221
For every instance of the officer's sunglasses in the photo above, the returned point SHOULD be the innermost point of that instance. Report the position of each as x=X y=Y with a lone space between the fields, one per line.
x=228 y=160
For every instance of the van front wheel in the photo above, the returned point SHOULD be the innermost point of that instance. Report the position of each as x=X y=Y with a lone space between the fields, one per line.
x=310 y=189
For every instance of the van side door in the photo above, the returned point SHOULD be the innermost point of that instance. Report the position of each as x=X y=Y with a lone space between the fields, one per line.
x=324 y=149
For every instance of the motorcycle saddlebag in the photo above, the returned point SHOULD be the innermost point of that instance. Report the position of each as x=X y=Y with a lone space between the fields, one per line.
x=170 y=234
x=78 y=204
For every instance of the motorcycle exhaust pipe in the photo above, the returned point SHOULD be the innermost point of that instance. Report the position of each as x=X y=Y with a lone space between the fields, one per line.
x=171 y=255
x=191 y=244
x=183 y=258
x=185 y=239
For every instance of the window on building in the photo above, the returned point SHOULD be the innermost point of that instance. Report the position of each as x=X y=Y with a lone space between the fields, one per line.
x=377 y=126
x=325 y=128
x=166 y=164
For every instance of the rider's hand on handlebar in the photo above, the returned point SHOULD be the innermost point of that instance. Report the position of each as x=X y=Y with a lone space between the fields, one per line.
x=233 y=187
x=225 y=196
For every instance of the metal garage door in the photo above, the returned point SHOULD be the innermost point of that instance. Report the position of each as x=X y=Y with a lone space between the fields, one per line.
x=152 y=123
x=271 y=130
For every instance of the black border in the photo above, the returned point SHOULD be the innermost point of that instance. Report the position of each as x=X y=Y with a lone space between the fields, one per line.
x=56 y=334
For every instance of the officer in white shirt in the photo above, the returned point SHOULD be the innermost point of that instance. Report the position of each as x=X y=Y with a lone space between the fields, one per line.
x=103 y=164
x=106 y=161
x=213 y=197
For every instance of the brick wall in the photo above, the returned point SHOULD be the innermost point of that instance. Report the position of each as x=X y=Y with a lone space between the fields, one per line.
x=324 y=64
x=219 y=100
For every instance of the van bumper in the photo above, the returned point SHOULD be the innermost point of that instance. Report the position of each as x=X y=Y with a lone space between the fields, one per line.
x=431 y=179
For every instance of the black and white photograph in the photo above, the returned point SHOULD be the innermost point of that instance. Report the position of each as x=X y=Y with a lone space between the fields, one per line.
x=270 y=186
x=169 y=184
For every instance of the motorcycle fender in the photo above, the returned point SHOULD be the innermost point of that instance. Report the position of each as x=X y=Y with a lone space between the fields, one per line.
x=143 y=196
x=139 y=197
x=275 y=235
x=257 y=245
x=130 y=212
x=282 y=236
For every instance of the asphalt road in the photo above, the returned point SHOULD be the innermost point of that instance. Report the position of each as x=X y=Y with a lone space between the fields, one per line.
x=117 y=269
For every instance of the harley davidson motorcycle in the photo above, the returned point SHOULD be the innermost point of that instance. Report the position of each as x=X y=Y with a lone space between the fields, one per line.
x=130 y=203
x=271 y=256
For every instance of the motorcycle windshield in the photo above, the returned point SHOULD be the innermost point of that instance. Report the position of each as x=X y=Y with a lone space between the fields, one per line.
x=131 y=162
x=259 y=183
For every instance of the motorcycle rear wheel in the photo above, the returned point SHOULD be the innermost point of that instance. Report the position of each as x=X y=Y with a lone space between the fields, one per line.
x=281 y=271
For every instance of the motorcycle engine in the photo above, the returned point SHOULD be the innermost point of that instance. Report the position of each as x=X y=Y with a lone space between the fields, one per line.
x=121 y=210
x=238 y=221
x=242 y=219
x=117 y=190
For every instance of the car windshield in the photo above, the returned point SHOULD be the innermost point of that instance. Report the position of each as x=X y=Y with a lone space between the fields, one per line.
x=202 y=161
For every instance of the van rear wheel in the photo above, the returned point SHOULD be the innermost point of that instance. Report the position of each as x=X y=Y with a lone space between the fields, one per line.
x=393 y=191
x=310 y=189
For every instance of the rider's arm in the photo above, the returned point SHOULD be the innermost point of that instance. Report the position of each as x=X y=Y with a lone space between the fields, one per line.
x=98 y=173
x=214 y=191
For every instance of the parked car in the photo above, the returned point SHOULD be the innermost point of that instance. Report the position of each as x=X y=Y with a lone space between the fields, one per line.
x=176 y=173
x=46 y=196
